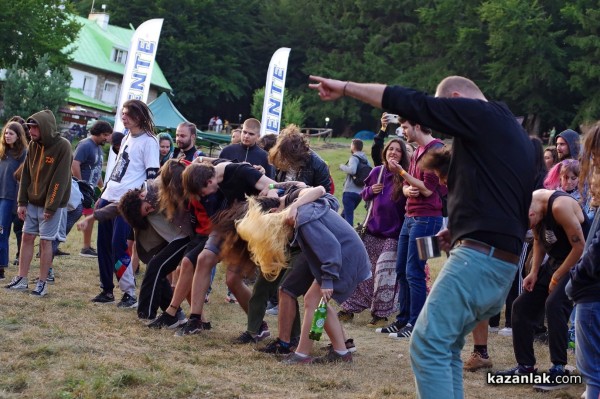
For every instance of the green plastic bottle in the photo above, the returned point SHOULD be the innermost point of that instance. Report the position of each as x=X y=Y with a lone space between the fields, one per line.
x=318 y=321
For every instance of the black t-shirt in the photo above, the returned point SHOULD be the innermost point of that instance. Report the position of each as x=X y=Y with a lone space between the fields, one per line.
x=239 y=180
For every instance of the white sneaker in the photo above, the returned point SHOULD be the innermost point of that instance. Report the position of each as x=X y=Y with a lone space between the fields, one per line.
x=493 y=329
x=505 y=332
x=41 y=289
x=274 y=311
x=18 y=284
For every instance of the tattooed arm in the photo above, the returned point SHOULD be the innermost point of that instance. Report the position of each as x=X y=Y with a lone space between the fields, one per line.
x=570 y=216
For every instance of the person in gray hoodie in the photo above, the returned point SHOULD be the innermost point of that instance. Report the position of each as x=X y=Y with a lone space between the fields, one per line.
x=351 y=196
x=336 y=259
x=567 y=145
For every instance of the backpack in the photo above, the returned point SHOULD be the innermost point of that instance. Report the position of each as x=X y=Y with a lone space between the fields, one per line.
x=87 y=191
x=362 y=171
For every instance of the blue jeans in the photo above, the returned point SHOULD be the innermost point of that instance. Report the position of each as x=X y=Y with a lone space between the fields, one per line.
x=587 y=349
x=6 y=218
x=410 y=270
x=470 y=287
x=350 y=201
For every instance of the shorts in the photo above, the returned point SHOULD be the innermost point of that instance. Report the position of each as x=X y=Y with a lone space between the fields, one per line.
x=213 y=244
x=194 y=247
x=297 y=278
x=52 y=229
x=87 y=211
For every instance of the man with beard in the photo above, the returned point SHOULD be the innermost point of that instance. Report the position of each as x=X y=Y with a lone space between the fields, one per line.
x=185 y=137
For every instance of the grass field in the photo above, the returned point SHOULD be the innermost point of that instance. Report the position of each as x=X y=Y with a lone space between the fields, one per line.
x=63 y=346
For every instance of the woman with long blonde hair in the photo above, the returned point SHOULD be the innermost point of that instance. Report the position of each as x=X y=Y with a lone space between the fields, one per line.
x=13 y=149
x=335 y=258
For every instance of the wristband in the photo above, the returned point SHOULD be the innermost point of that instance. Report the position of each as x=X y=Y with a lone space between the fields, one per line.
x=201 y=159
x=554 y=281
x=402 y=172
x=344 y=92
x=271 y=186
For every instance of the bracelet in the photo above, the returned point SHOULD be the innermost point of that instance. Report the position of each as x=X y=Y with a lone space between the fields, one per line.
x=402 y=172
x=344 y=92
x=271 y=186
x=174 y=307
x=554 y=281
x=201 y=159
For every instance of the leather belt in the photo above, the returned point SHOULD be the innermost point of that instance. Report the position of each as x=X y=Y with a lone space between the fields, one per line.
x=488 y=250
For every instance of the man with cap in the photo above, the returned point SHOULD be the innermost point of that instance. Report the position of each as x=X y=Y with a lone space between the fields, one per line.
x=567 y=145
x=44 y=192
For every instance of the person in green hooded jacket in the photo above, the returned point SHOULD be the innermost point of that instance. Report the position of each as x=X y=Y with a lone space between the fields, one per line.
x=44 y=192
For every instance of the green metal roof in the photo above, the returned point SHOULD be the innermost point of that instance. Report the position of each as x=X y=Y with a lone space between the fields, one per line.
x=76 y=96
x=94 y=46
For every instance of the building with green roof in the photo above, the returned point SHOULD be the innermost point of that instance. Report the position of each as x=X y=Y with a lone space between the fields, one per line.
x=99 y=57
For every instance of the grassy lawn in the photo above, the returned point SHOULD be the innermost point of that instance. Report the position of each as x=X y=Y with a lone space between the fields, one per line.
x=64 y=346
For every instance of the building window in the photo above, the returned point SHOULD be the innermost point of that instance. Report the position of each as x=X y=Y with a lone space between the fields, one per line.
x=89 y=85
x=109 y=94
x=119 y=56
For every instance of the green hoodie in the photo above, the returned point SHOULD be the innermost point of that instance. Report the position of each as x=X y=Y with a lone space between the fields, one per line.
x=46 y=179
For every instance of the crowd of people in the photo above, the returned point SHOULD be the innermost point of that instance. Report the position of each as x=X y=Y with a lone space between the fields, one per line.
x=514 y=218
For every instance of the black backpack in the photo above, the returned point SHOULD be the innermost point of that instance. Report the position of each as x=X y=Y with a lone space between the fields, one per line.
x=362 y=171
x=87 y=191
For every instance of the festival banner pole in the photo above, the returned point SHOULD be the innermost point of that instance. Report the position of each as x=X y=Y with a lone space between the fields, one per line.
x=274 y=88
x=139 y=66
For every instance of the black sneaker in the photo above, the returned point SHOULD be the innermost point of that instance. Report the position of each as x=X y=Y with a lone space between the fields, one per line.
x=333 y=357
x=245 y=338
x=128 y=302
x=541 y=338
x=404 y=333
x=61 y=253
x=193 y=326
x=391 y=328
x=167 y=321
x=88 y=253
x=555 y=372
x=349 y=346
x=518 y=370
x=277 y=347
x=104 y=297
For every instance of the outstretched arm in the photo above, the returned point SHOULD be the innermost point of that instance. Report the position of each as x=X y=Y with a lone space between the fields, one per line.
x=331 y=89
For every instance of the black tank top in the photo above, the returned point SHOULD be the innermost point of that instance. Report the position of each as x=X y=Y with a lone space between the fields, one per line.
x=552 y=235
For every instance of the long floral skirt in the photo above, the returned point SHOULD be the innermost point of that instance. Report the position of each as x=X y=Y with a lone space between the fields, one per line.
x=380 y=292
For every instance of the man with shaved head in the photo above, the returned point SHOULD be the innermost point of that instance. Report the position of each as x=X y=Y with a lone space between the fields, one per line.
x=490 y=183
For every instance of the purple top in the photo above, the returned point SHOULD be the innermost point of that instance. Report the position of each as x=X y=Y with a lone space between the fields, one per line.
x=387 y=215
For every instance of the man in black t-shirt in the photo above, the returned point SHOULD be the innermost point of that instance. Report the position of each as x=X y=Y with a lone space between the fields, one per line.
x=185 y=138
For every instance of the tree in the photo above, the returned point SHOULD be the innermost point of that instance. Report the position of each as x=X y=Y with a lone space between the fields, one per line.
x=526 y=64
x=32 y=28
x=29 y=90
x=292 y=108
x=585 y=77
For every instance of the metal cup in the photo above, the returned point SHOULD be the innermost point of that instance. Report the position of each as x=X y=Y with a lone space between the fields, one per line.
x=428 y=247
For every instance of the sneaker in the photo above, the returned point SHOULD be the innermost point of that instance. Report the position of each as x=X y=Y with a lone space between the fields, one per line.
x=277 y=347
x=334 y=357
x=128 y=302
x=50 y=279
x=18 y=284
x=16 y=262
x=104 y=297
x=391 y=328
x=192 y=326
x=247 y=338
x=345 y=316
x=2 y=277
x=207 y=298
x=167 y=321
x=41 y=289
x=476 y=362
x=58 y=252
x=377 y=321
x=274 y=311
x=505 y=332
x=493 y=329
x=349 y=346
x=555 y=371
x=293 y=358
x=88 y=253
x=404 y=333
x=518 y=370
x=230 y=298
